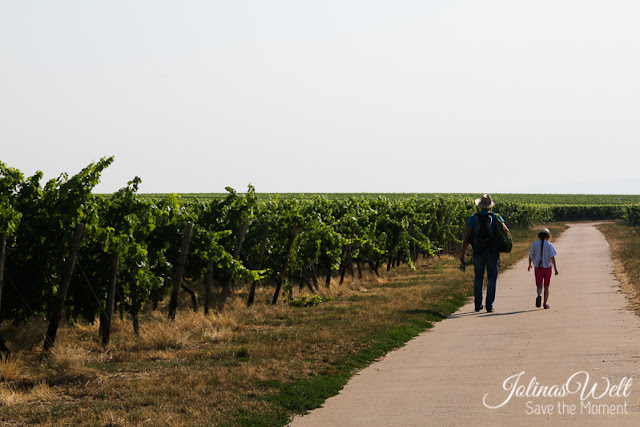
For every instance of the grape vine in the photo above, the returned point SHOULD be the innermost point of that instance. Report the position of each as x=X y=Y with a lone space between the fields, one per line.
x=130 y=252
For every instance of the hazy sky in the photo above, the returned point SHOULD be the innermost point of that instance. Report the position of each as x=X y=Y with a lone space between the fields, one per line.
x=326 y=96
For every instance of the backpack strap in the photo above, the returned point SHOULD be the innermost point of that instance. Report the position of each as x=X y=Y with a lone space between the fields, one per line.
x=494 y=222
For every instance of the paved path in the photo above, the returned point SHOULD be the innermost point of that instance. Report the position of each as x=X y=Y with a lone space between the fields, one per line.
x=445 y=376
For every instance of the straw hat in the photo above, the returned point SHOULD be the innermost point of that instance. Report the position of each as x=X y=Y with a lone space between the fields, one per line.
x=544 y=230
x=485 y=202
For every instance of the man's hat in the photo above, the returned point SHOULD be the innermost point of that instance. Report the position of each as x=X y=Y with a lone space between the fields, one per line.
x=485 y=202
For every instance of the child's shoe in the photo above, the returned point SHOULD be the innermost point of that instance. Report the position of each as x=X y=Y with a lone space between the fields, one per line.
x=547 y=306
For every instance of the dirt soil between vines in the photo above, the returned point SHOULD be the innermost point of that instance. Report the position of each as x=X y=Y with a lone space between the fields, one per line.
x=572 y=364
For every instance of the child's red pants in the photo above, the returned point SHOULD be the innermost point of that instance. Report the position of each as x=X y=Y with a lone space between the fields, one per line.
x=543 y=276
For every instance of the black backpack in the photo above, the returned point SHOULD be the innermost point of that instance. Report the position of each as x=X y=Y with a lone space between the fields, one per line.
x=483 y=234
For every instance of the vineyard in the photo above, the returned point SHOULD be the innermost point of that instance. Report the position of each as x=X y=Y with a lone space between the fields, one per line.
x=130 y=250
x=543 y=199
x=69 y=255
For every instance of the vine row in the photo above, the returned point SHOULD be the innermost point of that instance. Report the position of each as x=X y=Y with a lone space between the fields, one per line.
x=68 y=252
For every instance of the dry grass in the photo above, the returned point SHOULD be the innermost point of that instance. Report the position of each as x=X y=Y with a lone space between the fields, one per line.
x=9 y=367
x=41 y=392
x=219 y=369
x=625 y=247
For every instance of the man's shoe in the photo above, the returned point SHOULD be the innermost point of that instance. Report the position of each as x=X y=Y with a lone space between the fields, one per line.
x=538 y=298
x=489 y=309
x=478 y=309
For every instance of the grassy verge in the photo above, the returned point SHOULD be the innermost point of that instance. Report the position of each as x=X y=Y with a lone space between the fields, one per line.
x=625 y=248
x=257 y=366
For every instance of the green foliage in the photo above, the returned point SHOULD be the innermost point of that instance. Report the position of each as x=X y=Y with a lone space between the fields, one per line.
x=145 y=234
x=569 y=212
x=122 y=225
x=631 y=215
x=519 y=215
x=10 y=181
x=520 y=198
x=332 y=233
x=217 y=225
x=9 y=217
x=39 y=246
x=308 y=300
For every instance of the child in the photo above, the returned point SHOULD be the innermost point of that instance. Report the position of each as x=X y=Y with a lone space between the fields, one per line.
x=542 y=255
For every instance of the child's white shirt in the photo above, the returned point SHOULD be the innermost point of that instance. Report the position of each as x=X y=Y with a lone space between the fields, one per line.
x=548 y=252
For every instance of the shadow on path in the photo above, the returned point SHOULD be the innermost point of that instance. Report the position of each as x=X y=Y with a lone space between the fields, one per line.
x=484 y=314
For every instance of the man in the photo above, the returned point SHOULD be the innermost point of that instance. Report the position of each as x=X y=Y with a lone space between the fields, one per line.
x=480 y=232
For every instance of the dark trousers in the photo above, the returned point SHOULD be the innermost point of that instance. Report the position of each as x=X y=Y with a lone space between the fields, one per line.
x=485 y=259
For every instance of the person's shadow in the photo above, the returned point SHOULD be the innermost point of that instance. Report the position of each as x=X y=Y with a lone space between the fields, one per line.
x=483 y=313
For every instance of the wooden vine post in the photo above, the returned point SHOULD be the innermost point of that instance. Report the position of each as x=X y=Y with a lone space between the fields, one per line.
x=285 y=267
x=58 y=304
x=134 y=317
x=348 y=263
x=179 y=271
x=192 y=294
x=3 y=248
x=107 y=316
x=263 y=247
x=208 y=285
x=3 y=252
x=237 y=248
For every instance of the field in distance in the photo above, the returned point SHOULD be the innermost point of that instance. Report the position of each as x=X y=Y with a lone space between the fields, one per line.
x=548 y=199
